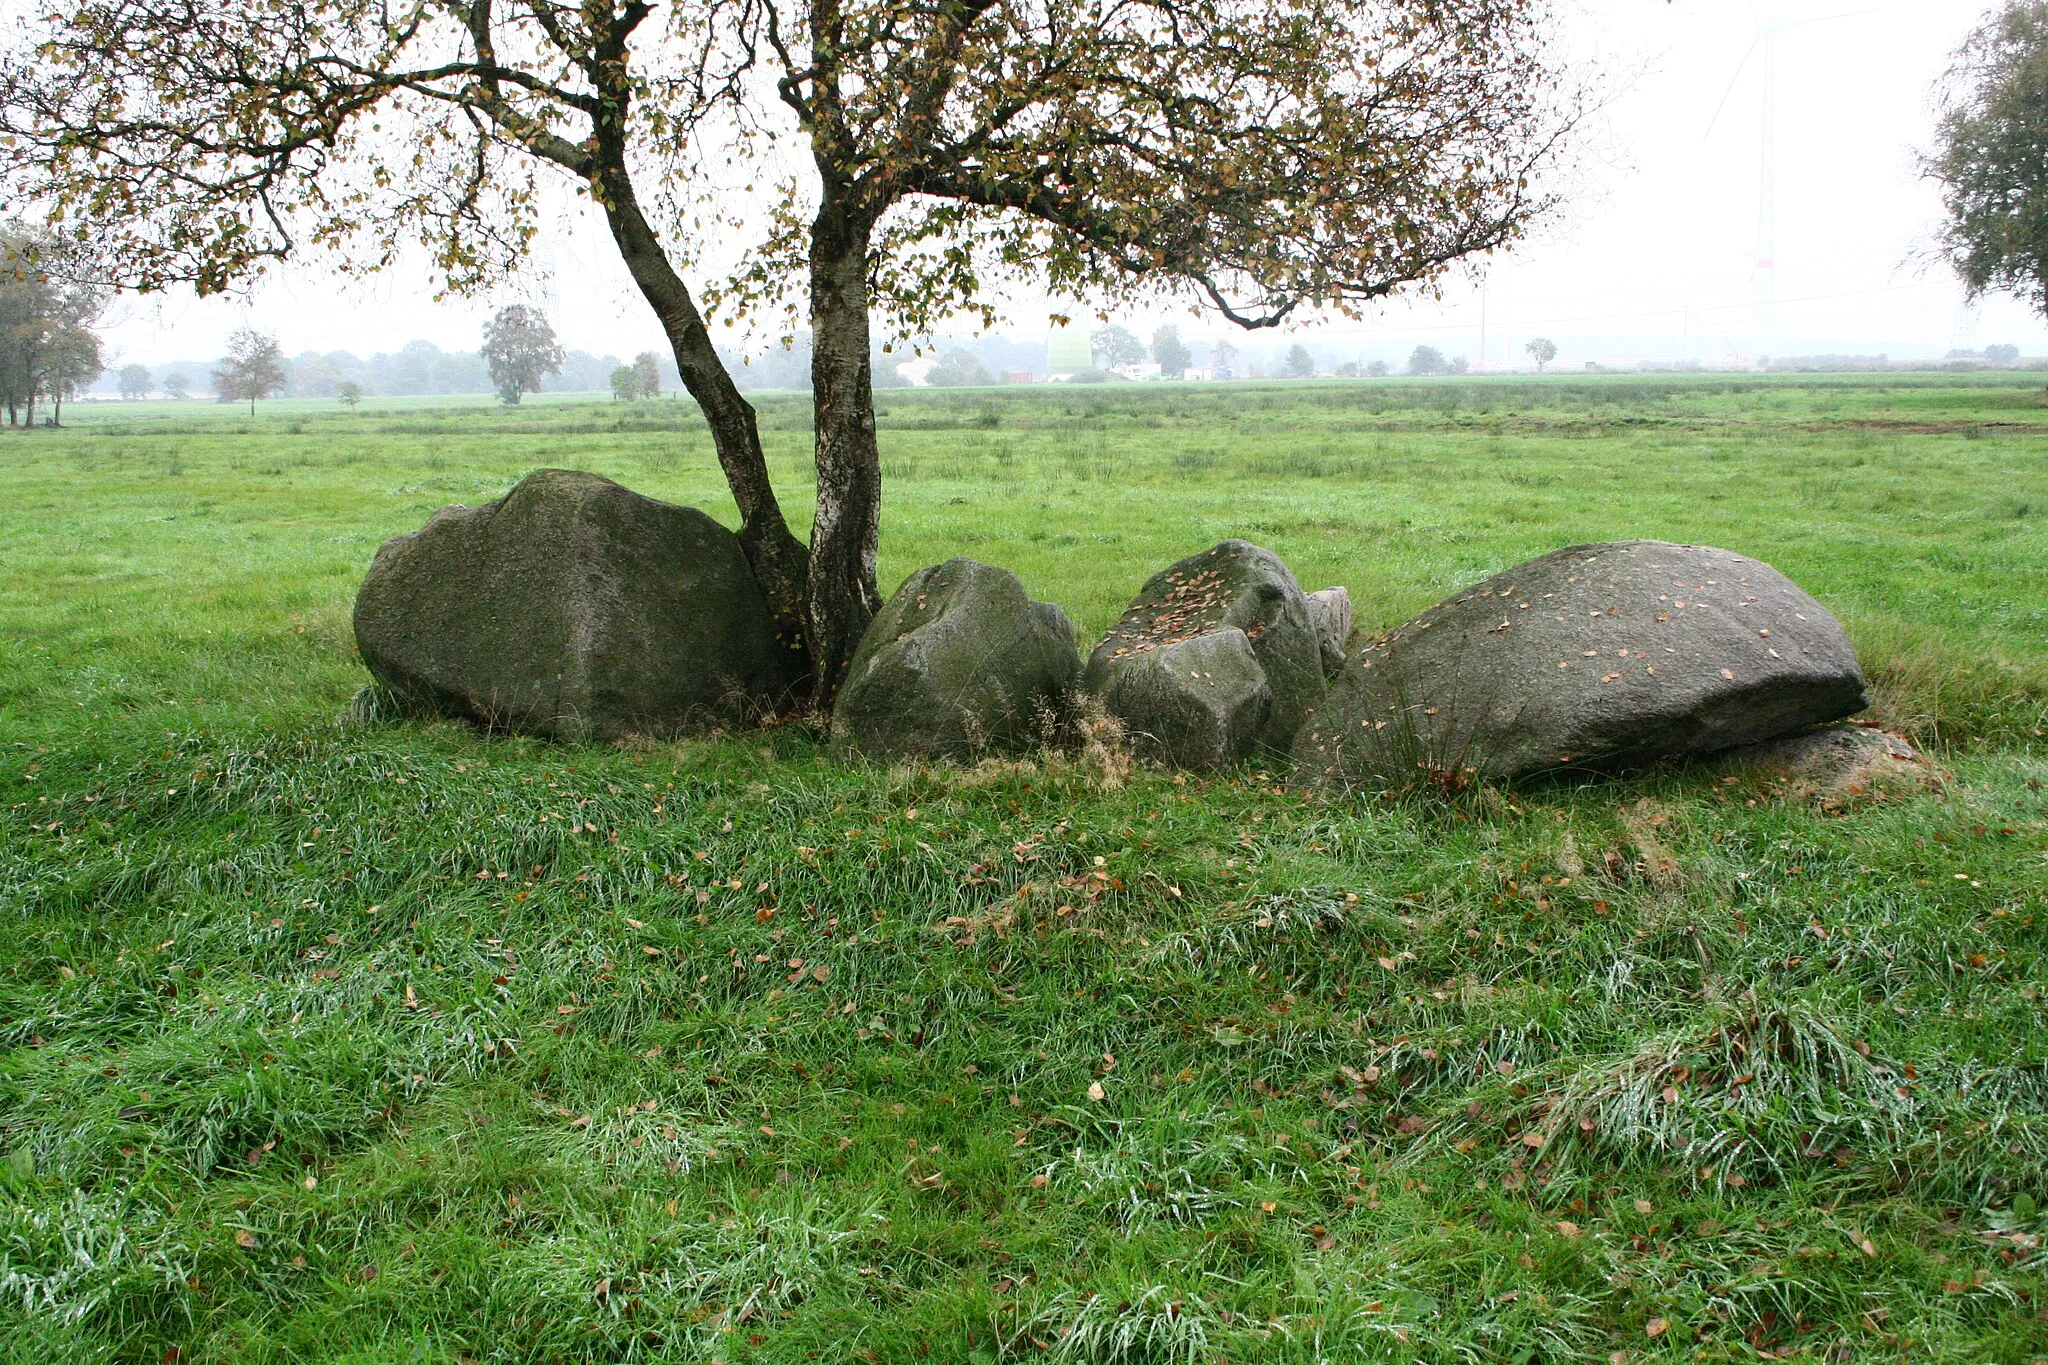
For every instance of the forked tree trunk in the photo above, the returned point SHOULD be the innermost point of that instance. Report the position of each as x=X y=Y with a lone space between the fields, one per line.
x=846 y=531
x=775 y=553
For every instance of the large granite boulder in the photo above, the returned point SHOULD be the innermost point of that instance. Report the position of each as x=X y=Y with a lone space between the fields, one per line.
x=573 y=607
x=1597 y=656
x=960 y=661
x=1216 y=660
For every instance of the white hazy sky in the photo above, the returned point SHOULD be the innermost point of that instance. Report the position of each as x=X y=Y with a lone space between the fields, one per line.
x=1651 y=258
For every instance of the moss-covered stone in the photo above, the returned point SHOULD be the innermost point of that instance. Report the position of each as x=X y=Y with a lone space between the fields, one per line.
x=1236 y=586
x=574 y=607
x=959 y=662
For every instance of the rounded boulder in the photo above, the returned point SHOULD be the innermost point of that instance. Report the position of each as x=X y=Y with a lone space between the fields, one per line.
x=577 y=608
x=959 y=662
x=1597 y=656
x=1265 y=686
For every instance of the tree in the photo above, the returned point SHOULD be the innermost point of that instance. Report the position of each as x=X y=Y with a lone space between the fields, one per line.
x=72 y=361
x=1379 y=369
x=625 y=384
x=1990 y=155
x=47 y=347
x=1427 y=360
x=647 y=375
x=253 y=369
x=2002 y=354
x=1299 y=363
x=177 y=386
x=136 y=382
x=349 y=392
x=1263 y=161
x=520 y=349
x=1170 y=352
x=1115 y=345
x=1542 y=350
x=1221 y=356
x=959 y=368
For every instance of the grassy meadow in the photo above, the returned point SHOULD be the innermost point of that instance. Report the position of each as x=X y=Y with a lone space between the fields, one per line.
x=323 y=1040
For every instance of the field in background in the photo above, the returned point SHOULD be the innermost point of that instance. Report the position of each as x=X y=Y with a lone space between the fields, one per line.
x=339 y=1042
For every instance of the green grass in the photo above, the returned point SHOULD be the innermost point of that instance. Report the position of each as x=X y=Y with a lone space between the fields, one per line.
x=325 y=1041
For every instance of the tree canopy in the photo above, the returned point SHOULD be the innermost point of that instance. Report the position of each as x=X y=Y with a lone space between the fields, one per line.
x=1991 y=155
x=850 y=156
x=521 y=350
x=252 y=369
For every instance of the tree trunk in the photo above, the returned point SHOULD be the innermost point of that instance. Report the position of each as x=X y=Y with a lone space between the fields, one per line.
x=775 y=553
x=846 y=530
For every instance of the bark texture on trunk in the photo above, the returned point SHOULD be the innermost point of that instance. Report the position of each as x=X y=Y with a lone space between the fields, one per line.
x=772 y=549
x=847 y=529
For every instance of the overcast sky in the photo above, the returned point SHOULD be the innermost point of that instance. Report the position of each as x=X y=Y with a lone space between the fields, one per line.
x=1653 y=256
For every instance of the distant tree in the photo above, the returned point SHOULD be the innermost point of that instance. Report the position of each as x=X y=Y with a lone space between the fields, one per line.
x=349 y=392
x=2002 y=354
x=625 y=384
x=1348 y=370
x=1990 y=155
x=959 y=368
x=70 y=363
x=1542 y=350
x=1299 y=363
x=177 y=386
x=1170 y=351
x=647 y=375
x=47 y=346
x=254 y=369
x=1459 y=365
x=1115 y=345
x=1379 y=369
x=136 y=382
x=1221 y=357
x=1427 y=360
x=520 y=349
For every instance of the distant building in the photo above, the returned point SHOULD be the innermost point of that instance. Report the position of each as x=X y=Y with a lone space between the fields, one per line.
x=1143 y=370
x=1020 y=377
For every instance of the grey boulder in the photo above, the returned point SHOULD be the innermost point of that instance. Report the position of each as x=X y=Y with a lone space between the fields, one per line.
x=1215 y=661
x=1201 y=702
x=577 y=608
x=960 y=661
x=1598 y=656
